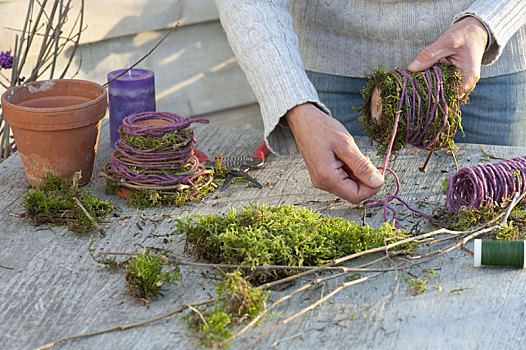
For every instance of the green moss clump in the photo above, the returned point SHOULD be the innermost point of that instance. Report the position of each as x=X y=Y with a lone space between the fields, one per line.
x=514 y=229
x=239 y=302
x=381 y=131
x=180 y=138
x=151 y=198
x=145 y=276
x=53 y=202
x=278 y=235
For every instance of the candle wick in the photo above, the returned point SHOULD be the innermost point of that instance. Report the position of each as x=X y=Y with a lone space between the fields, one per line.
x=128 y=66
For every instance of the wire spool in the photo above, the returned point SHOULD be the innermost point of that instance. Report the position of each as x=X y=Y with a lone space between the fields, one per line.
x=421 y=109
x=155 y=152
x=486 y=185
x=499 y=253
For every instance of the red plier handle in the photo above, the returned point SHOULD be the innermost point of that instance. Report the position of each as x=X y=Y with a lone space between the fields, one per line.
x=261 y=151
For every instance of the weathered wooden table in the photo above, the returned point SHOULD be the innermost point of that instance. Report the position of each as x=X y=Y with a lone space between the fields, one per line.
x=55 y=289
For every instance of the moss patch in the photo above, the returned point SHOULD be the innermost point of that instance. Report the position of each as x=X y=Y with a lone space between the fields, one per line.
x=278 y=235
x=239 y=302
x=52 y=202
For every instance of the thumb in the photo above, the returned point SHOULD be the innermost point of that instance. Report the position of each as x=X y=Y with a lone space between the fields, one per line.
x=429 y=56
x=361 y=168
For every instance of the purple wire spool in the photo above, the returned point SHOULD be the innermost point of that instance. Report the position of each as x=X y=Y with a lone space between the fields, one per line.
x=156 y=123
x=156 y=167
x=485 y=185
x=418 y=118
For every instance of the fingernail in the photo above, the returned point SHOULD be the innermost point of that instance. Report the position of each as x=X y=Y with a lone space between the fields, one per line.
x=414 y=65
x=377 y=179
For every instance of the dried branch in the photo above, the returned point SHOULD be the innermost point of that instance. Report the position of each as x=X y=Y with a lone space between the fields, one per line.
x=95 y=224
x=126 y=326
x=308 y=308
x=147 y=54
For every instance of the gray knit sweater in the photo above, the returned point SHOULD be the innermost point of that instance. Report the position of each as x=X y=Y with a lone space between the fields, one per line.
x=276 y=40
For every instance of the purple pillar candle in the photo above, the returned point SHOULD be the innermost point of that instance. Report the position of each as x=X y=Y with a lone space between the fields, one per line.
x=131 y=93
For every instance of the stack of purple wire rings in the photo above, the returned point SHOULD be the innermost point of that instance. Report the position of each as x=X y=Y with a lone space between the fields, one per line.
x=168 y=162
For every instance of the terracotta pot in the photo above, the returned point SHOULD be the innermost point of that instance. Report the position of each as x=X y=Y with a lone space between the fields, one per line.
x=56 y=125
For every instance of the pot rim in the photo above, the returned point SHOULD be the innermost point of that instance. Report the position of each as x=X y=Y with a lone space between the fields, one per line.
x=5 y=103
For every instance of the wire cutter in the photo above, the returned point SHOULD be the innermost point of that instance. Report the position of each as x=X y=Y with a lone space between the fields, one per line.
x=257 y=161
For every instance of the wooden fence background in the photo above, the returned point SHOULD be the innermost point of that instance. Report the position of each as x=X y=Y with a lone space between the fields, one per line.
x=196 y=72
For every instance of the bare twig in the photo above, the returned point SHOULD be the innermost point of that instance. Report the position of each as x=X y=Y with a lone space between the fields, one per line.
x=5 y=267
x=308 y=308
x=76 y=45
x=423 y=168
x=490 y=155
x=199 y=313
x=147 y=54
x=126 y=326
x=342 y=269
x=95 y=224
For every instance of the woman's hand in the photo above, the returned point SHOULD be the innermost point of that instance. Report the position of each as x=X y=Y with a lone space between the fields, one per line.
x=463 y=45
x=327 y=147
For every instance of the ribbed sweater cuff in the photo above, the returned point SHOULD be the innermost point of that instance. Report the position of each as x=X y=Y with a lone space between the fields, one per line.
x=502 y=18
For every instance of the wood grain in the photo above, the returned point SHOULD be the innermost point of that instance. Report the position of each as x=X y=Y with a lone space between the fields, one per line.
x=56 y=289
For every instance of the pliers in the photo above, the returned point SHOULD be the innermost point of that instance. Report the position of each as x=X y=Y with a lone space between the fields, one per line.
x=257 y=161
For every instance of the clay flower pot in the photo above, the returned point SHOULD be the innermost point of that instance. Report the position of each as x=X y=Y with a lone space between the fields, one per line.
x=56 y=125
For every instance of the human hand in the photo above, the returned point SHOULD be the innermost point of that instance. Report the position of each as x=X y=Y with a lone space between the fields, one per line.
x=327 y=147
x=463 y=45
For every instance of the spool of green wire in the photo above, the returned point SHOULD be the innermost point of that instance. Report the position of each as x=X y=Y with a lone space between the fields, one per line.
x=499 y=253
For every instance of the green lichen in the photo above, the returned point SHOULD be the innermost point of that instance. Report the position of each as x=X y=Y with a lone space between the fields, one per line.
x=53 y=202
x=381 y=132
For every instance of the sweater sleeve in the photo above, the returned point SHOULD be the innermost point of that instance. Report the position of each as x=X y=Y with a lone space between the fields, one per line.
x=502 y=19
x=262 y=37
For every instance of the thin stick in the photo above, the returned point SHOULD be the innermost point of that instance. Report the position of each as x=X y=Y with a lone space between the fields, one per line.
x=7 y=268
x=423 y=168
x=256 y=267
x=76 y=45
x=97 y=226
x=147 y=54
x=119 y=253
x=514 y=202
x=199 y=313
x=490 y=155
x=126 y=326
x=362 y=253
x=308 y=308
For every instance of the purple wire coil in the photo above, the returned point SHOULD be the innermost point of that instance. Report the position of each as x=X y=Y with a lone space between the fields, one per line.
x=156 y=167
x=485 y=185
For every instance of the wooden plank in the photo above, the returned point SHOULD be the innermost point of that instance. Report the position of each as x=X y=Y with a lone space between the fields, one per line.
x=56 y=289
x=119 y=17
